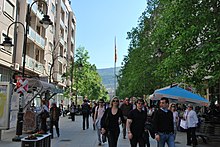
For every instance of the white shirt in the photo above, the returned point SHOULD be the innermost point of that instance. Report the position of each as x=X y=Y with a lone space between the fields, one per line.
x=175 y=116
x=100 y=111
x=191 y=119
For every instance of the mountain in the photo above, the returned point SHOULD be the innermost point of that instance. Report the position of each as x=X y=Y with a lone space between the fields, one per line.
x=107 y=75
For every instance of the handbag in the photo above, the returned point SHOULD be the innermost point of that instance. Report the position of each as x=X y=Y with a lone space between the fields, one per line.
x=183 y=124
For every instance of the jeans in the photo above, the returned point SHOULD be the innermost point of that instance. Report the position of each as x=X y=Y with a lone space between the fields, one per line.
x=166 y=138
x=98 y=127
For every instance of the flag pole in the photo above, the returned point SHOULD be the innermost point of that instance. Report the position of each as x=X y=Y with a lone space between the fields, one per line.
x=115 y=69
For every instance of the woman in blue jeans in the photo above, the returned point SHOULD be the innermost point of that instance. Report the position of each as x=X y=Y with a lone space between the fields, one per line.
x=110 y=122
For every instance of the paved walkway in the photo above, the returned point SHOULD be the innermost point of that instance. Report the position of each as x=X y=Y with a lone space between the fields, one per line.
x=72 y=135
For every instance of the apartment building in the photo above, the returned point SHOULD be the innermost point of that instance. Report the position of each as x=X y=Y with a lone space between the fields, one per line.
x=7 y=16
x=49 y=51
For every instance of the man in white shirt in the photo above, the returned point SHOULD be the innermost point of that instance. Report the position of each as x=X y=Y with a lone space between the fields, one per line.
x=192 y=120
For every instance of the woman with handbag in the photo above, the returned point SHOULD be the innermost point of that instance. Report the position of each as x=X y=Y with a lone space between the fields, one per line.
x=110 y=122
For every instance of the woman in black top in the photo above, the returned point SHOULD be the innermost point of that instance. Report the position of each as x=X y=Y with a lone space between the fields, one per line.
x=110 y=122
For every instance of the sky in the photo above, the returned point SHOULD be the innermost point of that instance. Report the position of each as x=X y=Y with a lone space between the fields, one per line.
x=99 y=22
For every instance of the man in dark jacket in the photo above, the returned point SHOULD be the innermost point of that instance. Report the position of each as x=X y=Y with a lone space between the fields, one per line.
x=163 y=124
x=54 y=119
x=85 y=113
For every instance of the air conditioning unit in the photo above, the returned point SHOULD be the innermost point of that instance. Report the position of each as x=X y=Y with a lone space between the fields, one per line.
x=17 y=66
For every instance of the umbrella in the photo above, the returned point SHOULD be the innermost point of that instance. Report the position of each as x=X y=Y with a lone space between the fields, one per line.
x=180 y=95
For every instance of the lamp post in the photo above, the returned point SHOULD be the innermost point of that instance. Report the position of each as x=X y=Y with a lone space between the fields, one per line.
x=79 y=67
x=7 y=43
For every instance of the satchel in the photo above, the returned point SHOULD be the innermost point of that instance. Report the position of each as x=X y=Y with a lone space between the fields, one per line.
x=149 y=127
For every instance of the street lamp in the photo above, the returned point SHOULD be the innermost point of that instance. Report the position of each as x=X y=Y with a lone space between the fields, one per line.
x=79 y=68
x=7 y=43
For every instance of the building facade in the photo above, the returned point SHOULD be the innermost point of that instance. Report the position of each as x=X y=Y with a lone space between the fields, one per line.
x=49 y=51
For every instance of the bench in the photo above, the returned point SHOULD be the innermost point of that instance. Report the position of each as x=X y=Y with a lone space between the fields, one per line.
x=209 y=130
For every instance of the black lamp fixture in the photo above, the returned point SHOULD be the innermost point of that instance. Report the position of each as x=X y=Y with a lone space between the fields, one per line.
x=46 y=21
x=7 y=43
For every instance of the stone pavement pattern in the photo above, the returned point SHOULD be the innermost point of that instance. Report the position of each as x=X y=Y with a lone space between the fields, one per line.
x=72 y=135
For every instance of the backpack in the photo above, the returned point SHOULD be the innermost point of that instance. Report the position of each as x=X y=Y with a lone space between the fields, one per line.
x=85 y=108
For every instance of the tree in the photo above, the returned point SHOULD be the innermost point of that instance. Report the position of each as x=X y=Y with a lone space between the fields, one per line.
x=188 y=34
x=87 y=81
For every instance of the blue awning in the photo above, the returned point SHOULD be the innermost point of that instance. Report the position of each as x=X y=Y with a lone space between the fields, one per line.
x=179 y=95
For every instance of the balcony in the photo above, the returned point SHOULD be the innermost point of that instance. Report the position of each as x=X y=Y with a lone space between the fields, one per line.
x=62 y=41
x=72 y=40
x=62 y=24
x=63 y=6
x=35 y=10
x=36 y=38
x=34 y=65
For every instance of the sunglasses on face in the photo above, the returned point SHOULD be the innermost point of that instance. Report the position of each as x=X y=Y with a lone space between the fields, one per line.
x=115 y=100
x=140 y=103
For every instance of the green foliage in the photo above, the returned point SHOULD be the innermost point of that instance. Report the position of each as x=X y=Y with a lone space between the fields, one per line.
x=187 y=32
x=87 y=81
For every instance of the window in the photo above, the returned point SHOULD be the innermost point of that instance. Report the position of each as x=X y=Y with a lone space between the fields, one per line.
x=60 y=68
x=9 y=9
x=53 y=9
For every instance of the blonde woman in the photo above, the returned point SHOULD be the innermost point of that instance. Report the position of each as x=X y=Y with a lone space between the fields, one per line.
x=110 y=122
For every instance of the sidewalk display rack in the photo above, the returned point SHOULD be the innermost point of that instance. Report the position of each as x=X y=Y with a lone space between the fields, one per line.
x=44 y=141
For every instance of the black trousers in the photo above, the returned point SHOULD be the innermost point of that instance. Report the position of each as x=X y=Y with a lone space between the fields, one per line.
x=140 y=140
x=44 y=124
x=56 y=124
x=113 y=138
x=191 y=136
x=85 y=121
x=72 y=116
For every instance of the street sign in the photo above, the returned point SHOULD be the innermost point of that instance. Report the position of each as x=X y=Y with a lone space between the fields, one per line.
x=21 y=85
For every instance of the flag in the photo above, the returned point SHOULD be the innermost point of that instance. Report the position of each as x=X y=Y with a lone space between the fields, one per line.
x=115 y=51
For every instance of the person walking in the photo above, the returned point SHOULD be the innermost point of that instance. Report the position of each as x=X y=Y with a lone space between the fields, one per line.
x=172 y=108
x=44 y=114
x=72 y=111
x=85 y=113
x=110 y=122
x=54 y=119
x=191 y=121
x=126 y=107
x=93 y=114
x=135 y=125
x=99 y=111
x=163 y=124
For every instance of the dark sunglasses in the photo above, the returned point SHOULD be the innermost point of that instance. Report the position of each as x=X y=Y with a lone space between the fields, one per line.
x=115 y=100
x=140 y=103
